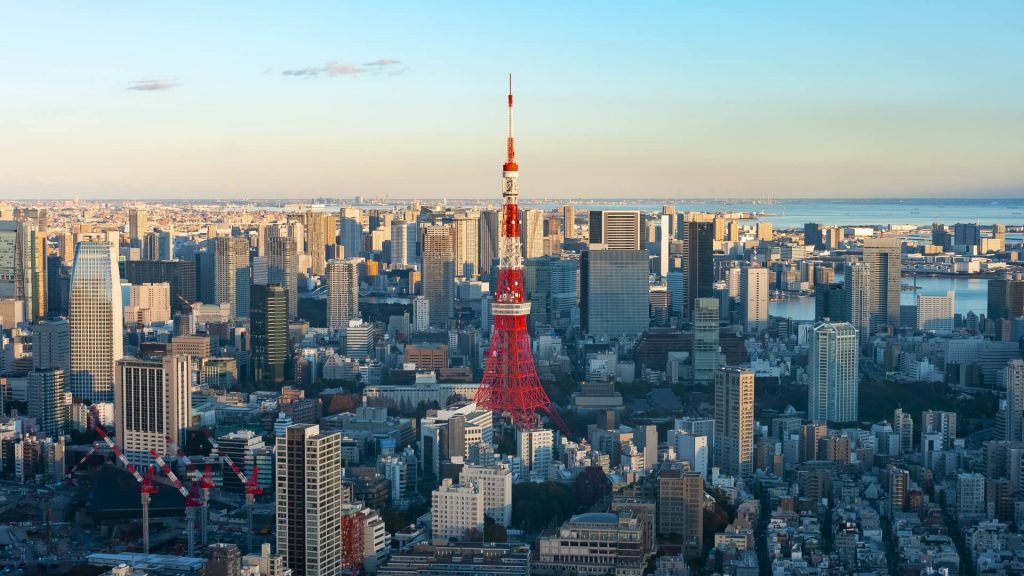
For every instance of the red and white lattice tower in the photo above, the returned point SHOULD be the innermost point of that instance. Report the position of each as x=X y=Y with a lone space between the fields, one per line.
x=510 y=384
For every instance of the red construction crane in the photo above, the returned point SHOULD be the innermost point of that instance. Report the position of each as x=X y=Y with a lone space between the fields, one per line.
x=148 y=487
x=191 y=502
x=252 y=489
x=206 y=484
x=190 y=467
x=73 y=469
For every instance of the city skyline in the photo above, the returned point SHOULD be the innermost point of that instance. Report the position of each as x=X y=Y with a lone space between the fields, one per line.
x=682 y=102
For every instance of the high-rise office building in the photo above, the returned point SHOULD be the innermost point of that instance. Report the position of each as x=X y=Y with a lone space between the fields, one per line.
x=754 y=299
x=420 y=314
x=48 y=400
x=269 y=326
x=495 y=483
x=940 y=423
x=1005 y=297
x=734 y=421
x=569 y=221
x=342 y=292
x=813 y=235
x=138 y=226
x=1013 y=375
x=282 y=269
x=457 y=511
x=465 y=242
x=698 y=263
x=680 y=507
x=244 y=447
x=615 y=229
x=899 y=487
x=58 y=286
x=833 y=373
x=351 y=232
x=614 y=292
x=967 y=234
x=706 y=354
x=935 y=313
x=858 y=298
x=309 y=500
x=321 y=231
x=532 y=232
x=95 y=321
x=884 y=256
x=51 y=345
x=487 y=243
x=152 y=404
x=180 y=274
x=23 y=266
x=439 y=273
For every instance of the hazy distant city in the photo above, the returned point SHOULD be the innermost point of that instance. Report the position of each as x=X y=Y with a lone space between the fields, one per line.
x=701 y=289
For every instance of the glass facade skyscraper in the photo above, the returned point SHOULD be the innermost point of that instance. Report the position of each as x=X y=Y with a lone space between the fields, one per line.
x=96 y=321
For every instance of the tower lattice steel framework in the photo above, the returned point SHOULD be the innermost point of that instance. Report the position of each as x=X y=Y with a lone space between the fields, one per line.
x=510 y=384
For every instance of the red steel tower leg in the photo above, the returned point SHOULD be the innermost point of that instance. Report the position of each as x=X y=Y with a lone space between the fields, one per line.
x=510 y=384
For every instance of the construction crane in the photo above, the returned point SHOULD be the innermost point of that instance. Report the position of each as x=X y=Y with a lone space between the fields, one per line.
x=206 y=484
x=148 y=487
x=191 y=502
x=252 y=488
x=190 y=467
x=73 y=469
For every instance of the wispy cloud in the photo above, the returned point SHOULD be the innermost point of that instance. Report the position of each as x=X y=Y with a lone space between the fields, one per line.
x=152 y=85
x=336 y=69
x=383 y=62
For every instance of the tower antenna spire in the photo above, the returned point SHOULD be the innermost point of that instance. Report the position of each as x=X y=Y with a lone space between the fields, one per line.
x=510 y=162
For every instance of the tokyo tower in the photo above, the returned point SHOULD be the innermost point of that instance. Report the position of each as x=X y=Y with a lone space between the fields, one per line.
x=510 y=384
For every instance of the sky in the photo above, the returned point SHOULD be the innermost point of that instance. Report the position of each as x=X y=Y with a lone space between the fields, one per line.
x=683 y=99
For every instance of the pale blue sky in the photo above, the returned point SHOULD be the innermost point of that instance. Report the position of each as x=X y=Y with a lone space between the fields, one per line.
x=657 y=99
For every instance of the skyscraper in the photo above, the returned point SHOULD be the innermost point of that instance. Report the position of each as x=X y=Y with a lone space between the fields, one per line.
x=439 y=273
x=466 y=237
x=488 y=241
x=23 y=266
x=615 y=229
x=283 y=269
x=138 y=226
x=1013 y=375
x=231 y=273
x=698 y=263
x=1005 y=297
x=613 y=292
x=321 y=231
x=680 y=507
x=884 y=256
x=532 y=229
x=48 y=400
x=269 y=325
x=858 y=298
x=180 y=274
x=569 y=221
x=309 y=499
x=152 y=403
x=754 y=299
x=833 y=373
x=734 y=421
x=342 y=292
x=935 y=313
x=706 y=352
x=351 y=233
x=51 y=345
x=96 y=321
